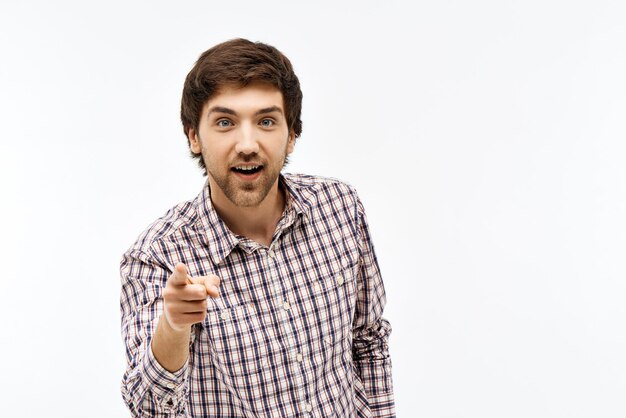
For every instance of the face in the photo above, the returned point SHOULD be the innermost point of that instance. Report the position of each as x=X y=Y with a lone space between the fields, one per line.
x=244 y=140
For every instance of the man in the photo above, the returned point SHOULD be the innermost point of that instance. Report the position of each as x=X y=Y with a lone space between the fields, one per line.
x=262 y=297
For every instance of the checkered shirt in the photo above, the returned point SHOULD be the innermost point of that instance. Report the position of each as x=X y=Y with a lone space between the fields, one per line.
x=297 y=329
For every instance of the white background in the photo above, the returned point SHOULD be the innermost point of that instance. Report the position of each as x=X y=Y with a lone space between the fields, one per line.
x=486 y=139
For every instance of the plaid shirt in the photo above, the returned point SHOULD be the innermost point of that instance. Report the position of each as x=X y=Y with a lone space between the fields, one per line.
x=297 y=328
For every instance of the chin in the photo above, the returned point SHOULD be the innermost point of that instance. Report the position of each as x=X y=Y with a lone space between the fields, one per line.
x=246 y=199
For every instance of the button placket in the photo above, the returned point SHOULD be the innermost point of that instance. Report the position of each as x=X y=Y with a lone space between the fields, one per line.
x=340 y=279
x=225 y=315
x=283 y=305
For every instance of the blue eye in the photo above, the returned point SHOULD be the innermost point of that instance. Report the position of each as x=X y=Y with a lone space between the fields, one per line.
x=223 y=123
x=266 y=123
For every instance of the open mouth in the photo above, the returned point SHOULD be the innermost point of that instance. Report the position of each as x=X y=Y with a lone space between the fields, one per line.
x=247 y=170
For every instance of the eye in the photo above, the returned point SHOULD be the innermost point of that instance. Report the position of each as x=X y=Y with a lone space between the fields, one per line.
x=224 y=123
x=266 y=123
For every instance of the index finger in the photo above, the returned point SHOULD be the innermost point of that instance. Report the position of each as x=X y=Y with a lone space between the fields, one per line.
x=180 y=276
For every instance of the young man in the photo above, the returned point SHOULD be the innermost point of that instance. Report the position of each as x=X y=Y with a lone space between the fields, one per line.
x=262 y=297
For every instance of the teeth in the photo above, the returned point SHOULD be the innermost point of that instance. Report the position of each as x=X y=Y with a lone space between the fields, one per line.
x=247 y=168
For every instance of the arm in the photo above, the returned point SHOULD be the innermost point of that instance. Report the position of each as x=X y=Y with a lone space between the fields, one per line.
x=157 y=339
x=370 y=330
x=184 y=304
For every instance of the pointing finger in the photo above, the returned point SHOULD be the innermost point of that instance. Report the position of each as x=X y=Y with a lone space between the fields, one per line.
x=180 y=276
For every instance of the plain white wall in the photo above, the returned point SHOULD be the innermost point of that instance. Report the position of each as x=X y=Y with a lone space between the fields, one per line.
x=486 y=140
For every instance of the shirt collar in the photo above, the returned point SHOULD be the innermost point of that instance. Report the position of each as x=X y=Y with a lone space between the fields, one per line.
x=295 y=199
x=221 y=239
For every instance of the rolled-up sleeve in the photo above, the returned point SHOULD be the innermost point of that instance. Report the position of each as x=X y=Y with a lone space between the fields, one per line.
x=370 y=330
x=148 y=389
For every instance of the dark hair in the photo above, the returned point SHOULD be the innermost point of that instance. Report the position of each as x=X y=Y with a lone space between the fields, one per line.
x=239 y=62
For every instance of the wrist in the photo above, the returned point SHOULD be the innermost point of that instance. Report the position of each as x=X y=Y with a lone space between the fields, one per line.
x=170 y=346
x=171 y=329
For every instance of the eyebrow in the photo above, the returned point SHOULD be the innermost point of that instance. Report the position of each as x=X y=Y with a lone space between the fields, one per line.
x=268 y=110
x=221 y=109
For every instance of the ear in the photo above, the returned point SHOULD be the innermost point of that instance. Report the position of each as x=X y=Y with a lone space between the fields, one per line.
x=194 y=141
x=291 y=142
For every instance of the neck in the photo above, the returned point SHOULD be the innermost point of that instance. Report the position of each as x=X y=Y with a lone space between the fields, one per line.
x=257 y=223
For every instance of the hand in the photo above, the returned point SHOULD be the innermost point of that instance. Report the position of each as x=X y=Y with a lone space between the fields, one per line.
x=185 y=297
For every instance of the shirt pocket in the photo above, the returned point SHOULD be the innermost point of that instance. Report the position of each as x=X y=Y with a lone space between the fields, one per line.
x=236 y=342
x=334 y=301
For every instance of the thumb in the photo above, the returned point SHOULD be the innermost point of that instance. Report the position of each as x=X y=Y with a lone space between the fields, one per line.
x=210 y=282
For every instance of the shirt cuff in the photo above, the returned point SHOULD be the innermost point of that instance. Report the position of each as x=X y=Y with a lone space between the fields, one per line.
x=382 y=405
x=168 y=389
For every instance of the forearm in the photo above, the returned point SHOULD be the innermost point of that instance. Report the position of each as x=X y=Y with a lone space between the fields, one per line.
x=373 y=365
x=169 y=346
x=149 y=389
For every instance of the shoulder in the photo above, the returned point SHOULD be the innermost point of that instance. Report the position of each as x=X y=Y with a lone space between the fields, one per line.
x=310 y=186
x=177 y=222
x=323 y=195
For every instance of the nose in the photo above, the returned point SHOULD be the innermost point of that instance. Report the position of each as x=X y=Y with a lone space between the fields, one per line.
x=247 y=141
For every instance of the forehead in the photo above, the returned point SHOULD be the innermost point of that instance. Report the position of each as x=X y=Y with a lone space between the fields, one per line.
x=249 y=98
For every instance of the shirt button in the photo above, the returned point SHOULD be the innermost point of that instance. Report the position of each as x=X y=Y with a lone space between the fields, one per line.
x=271 y=253
x=299 y=357
x=171 y=385
x=286 y=306
x=225 y=315
x=340 y=280
x=308 y=407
